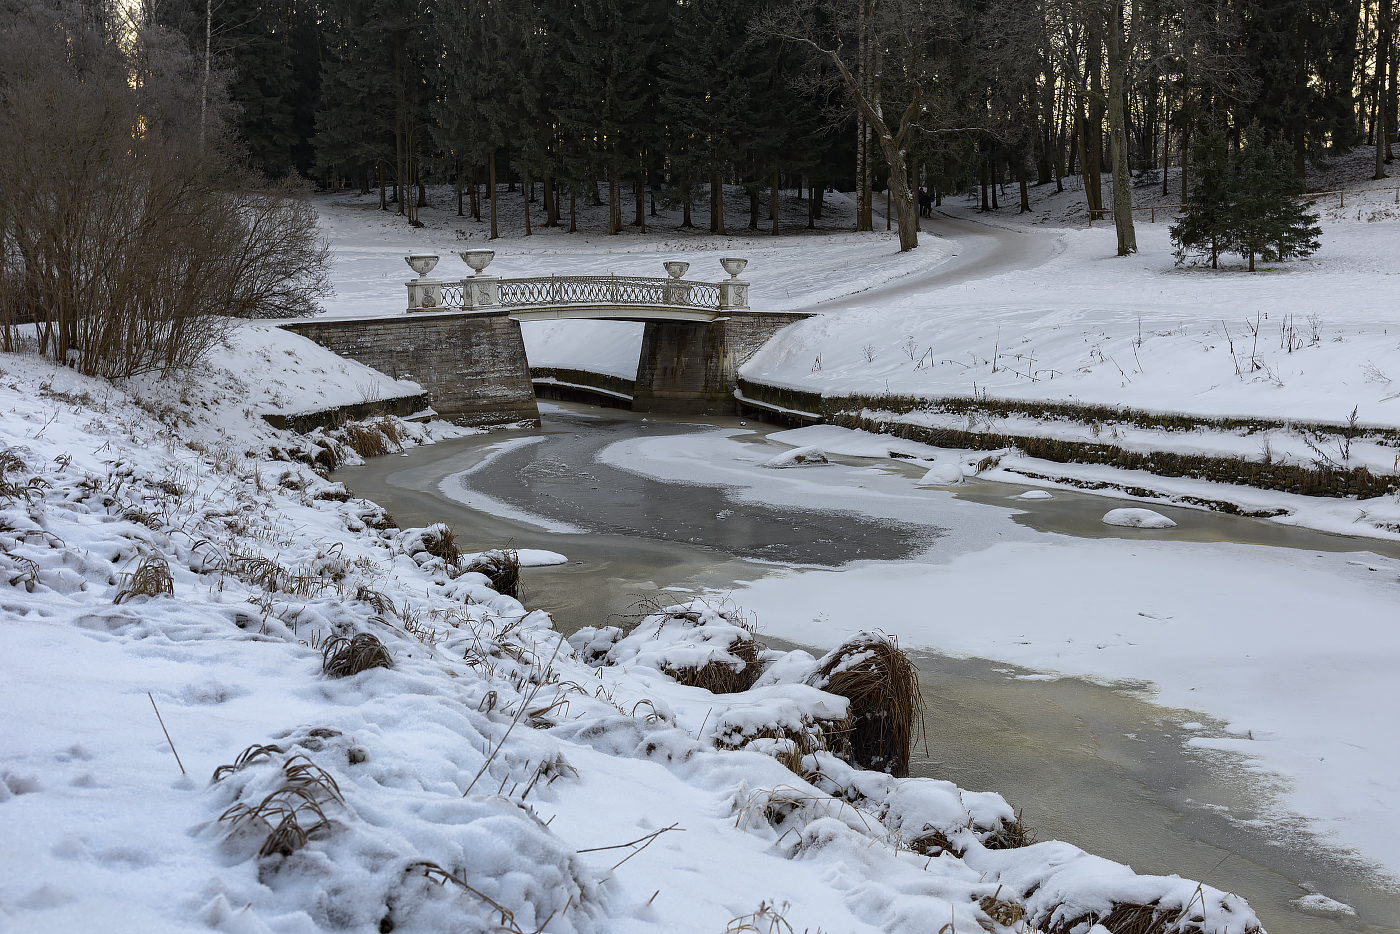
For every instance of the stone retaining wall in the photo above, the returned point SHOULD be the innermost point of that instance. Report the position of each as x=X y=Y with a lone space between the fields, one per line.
x=847 y=411
x=471 y=366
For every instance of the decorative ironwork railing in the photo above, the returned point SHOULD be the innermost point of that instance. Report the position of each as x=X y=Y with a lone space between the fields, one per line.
x=608 y=290
x=451 y=295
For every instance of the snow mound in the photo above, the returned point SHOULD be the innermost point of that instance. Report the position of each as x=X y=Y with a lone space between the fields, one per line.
x=1035 y=494
x=529 y=557
x=1137 y=519
x=798 y=457
x=946 y=474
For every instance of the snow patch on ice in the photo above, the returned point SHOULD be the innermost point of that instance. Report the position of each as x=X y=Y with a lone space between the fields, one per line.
x=1137 y=519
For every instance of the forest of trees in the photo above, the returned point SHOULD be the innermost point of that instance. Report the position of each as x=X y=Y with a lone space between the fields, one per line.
x=622 y=101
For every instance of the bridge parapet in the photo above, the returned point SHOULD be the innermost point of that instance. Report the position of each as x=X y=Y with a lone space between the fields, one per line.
x=533 y=298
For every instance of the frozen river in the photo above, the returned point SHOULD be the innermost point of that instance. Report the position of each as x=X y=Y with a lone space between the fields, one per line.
x=641 y=504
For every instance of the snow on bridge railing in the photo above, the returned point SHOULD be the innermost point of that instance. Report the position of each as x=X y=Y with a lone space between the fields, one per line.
x=483 y=293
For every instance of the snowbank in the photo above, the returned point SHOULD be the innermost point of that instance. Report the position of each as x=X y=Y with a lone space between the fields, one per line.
x=182 y=757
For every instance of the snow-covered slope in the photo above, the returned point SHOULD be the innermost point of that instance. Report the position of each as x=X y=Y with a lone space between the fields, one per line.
x=174 y=580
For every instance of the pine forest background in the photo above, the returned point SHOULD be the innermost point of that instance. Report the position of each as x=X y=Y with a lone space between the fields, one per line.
x=624 y=101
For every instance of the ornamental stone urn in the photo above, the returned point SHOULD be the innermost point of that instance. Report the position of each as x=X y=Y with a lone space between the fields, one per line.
x=733 y=265
x=677 y=292
x=424 y=294
x=480 y=292
x=733 y=292
x=477 y=259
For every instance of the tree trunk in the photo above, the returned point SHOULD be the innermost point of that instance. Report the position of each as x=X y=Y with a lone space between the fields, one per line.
x=1382 y=69
x=573 y=208
x=716 y=203
x=494 y=234
x=526 y=188
x=774 y=206
x=551 y=203
x=1025 y=194
x=614 y=204
x=1118 y=52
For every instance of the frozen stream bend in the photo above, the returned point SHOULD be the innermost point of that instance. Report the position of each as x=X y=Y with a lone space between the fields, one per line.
x=1097 y=765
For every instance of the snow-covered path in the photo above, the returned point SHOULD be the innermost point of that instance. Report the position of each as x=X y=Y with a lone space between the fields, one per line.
x=967 y=249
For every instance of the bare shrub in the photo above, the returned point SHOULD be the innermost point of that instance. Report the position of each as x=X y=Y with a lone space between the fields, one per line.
x=342 y=657
x=882 y=685
x=129 y=238
x=150 y=579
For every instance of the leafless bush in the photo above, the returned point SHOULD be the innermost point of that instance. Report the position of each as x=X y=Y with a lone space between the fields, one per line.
x=129 y=238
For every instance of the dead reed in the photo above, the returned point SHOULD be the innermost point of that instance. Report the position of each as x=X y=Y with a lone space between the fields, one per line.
x=1127 y=918
x=1003 y=912
x=441 y=542
x=882 y=685
x=12 y=488
x=247 y=757
x=304 y=789
x=365 y=439
x=342 y=657
x=1010 y=835
x=501 y=566
x=720 y=677
x=150 y=579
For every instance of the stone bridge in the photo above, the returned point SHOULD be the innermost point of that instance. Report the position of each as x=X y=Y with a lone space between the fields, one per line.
x=462 y=342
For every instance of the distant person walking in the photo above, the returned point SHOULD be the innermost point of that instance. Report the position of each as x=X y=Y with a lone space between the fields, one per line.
x=925 y=204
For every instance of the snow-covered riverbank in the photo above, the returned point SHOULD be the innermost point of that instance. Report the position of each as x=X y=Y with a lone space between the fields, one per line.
x=176 y=575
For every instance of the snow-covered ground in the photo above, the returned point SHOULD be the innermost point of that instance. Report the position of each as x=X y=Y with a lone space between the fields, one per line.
x=178 y=584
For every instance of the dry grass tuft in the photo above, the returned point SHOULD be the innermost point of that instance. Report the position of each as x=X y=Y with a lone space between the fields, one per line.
x=882 y=685
x=441 y=542
x=150 y=579
x=1128 y=918
x=342 y=657
x=934 y=843
x=721 y=678
x=1004 y=913
x=305 y=788
x=14 y=488
x=382 y=604
x=768 y=919
x=247 y=757
x=365 y=439
x=502 y=566
x=1010 y=835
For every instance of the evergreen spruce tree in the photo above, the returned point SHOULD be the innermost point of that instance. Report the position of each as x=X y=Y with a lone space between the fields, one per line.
x=1205 y=225
x=1244 y=202
x=1266 y=218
